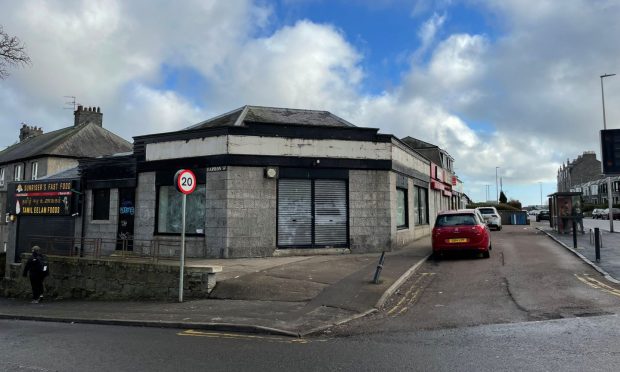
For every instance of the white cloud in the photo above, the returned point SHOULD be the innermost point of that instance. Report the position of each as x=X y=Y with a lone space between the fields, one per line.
x=305 y=65
x=428 y=31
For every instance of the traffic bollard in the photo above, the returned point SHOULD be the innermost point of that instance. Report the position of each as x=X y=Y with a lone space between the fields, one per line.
x=574 y=234
x=597 y=244
x=375 y=280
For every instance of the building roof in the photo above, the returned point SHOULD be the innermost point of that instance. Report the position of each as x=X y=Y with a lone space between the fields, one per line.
x=67 y=173
x=89 y=140
x=273 y=115
x=429 y=151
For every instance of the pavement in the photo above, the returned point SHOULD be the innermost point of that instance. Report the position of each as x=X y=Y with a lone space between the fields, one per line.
x=291 y=296
x=609 y=263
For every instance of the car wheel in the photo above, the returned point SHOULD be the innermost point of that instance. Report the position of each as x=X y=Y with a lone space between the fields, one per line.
x=499 y=228
x=486 y=254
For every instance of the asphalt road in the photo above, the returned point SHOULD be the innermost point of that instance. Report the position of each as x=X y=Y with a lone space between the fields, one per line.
x=529 y=277
x=531 y=306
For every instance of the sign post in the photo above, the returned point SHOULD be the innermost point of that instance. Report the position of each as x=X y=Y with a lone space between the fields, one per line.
x=185 y=182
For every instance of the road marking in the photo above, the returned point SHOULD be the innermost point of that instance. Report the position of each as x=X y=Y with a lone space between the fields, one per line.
x=594 y=283
x=233 y=336
x=410 y=297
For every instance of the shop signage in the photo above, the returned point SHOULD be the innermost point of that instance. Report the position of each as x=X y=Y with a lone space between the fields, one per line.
x=52 y=198
x=436 y=185
x=219 y=168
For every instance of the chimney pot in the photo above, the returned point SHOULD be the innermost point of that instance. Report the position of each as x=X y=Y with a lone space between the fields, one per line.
x=85 y=115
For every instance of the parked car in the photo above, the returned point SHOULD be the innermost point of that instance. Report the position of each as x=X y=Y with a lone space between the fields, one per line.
x=461 y=230
x=543 y=215
x=597 y=213
x=615 y=211
x=491 y=217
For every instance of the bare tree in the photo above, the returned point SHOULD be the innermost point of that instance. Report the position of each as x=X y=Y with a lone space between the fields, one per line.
x=12 y=53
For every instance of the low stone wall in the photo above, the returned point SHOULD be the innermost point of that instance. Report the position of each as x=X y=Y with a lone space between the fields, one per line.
x=80 y=278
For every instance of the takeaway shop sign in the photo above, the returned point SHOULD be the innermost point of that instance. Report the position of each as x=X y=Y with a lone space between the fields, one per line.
x=43 y=198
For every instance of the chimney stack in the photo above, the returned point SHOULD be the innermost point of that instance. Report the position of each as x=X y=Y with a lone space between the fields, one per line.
x=27 y=131
x=86 y=115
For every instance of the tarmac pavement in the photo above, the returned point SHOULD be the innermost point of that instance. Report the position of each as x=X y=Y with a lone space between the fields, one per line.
x=609 y=264
x=293 y=296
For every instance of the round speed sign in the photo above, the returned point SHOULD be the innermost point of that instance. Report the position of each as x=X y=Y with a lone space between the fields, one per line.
x=185 y=181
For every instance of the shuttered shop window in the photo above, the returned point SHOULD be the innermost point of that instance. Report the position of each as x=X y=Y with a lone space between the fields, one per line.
x=330 y=210
x=294 y=212
x=312 y=213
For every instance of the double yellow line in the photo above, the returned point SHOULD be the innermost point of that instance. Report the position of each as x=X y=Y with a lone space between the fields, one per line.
x=597 y=284
x=233 y=336
x=410 y=297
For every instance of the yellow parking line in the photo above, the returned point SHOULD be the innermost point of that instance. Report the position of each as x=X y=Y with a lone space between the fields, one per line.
x=398 y=307
x=598 y=284
x=231 y=336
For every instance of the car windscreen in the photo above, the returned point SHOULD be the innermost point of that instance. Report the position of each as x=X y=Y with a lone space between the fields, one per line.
x=455 y=220
x=486 y=210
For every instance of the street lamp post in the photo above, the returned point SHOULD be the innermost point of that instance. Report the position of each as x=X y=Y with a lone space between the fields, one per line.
x=496 y=188
x=541 y=204
x=609 y=195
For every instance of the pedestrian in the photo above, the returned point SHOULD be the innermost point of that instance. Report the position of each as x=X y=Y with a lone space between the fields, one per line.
x=578 y=213
x=565 y=213
x=36 y=268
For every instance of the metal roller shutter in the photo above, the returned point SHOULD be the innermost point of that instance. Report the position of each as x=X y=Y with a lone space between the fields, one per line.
x=38 y=230
x=294 y=212
x=330 y=211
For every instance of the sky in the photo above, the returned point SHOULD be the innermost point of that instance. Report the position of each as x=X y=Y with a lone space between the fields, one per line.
x=506 y=86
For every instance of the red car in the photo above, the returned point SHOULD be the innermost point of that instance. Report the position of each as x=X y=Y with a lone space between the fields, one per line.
x=461 y=230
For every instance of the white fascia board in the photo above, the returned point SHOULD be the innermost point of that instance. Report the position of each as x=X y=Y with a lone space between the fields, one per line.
x=409 y=160
x=298 y=147
x=186 y=148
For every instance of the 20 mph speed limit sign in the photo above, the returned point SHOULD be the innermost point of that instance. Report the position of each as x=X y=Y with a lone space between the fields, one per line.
x=185 y=181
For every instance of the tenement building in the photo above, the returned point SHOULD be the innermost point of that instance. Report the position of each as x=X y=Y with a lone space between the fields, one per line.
x=38 y=155
x=585 y=168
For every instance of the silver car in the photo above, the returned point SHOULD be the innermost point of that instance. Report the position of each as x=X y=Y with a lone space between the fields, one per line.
x=491 y=217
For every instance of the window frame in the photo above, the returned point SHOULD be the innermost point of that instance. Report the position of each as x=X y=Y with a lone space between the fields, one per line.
x=98 y=212
x=405 y=206
x=17 y=172
x=157 y=197
x=421 y=194
x=34 y=170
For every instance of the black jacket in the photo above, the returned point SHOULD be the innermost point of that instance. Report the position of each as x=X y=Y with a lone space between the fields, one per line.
x=34 y=265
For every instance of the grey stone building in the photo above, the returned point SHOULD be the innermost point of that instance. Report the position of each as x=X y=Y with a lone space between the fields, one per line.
x=585 y=168
x=38 y=155
x=280 y=181
x=271 y=181
x=443 y=186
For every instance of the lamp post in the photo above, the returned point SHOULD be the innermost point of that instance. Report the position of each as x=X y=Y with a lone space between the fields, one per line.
x=496 y=188
x=541 y=204
x=609 y=196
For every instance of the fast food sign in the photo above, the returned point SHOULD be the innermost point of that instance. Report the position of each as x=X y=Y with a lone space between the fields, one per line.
x=51 y=198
